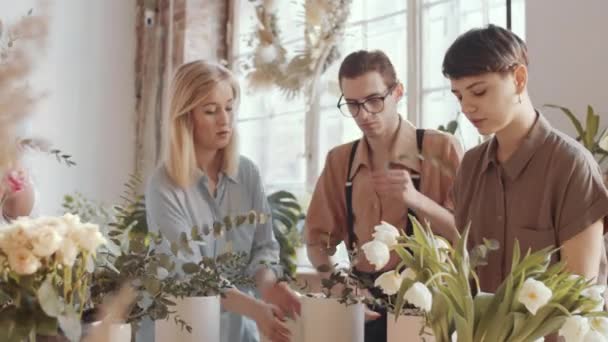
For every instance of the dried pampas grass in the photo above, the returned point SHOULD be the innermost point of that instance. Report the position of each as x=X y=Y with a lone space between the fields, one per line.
x=16 y=64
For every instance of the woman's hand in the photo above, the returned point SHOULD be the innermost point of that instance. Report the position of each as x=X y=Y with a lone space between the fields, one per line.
x=281 y=295
x=269 y=319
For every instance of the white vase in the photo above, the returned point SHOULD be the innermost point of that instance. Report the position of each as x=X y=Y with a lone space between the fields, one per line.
x=406 y=328
x=113 y=332
x=326 y=319
x=200 y=313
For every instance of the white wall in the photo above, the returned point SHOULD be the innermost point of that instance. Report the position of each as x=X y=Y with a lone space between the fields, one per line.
x=89 y=74
x=568 y=42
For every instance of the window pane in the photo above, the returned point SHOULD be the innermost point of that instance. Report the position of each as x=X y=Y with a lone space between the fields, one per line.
x=374 y=8
x=438 y=33
x=390 y=35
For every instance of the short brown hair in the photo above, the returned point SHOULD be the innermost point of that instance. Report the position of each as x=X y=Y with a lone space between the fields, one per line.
x=361 y=62
x=482 y=50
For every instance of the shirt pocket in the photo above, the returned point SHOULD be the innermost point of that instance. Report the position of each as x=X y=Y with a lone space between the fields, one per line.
x=535 y=239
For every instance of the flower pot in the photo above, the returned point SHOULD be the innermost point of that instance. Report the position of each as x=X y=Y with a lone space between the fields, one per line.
x=326 y=319
x=111 y=332
x=202 y=314
x=407 y=328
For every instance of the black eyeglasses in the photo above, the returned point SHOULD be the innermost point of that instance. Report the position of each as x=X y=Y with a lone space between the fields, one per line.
x=372 y=105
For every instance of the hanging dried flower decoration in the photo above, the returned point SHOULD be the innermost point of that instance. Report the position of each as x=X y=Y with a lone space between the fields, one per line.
x=324 y=25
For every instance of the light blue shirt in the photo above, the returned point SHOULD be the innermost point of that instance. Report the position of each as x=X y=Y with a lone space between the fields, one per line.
x=172 y=210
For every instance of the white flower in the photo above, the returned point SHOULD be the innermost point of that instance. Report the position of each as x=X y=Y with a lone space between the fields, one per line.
x=386 y=233
x=45 y=241
x=268 y=53
x=23 y=262
x=16 y=237
x=534 y=295
x=58 y=224
x=419 y=296
x=443 y=247
x=595 y=293
x=67 y=253
x=575 y=328
x=88 y=237
x=408 y=273
x=600 y=324
x=594 y=336
x=540 y=339
x=454 y=336
x=389 y=282
x=604 y=143
x=377 y=253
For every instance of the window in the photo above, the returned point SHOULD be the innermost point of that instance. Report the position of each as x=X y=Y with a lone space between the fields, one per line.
x=272 y=128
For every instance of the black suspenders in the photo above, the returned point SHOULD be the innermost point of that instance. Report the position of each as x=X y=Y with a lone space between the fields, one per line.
x=348 y=192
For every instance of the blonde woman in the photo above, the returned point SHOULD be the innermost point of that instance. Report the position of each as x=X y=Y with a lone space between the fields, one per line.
x=203 y=179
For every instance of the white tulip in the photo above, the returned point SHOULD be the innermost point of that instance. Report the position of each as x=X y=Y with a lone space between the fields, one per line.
x=67 y=253
x=377 y=253
x=600 y=324
x=45 y=241
x=594 y=336
x=443 y=248
x=575 y=328
x=534 y=295
x=540 y=339
x=408 y=273
x=386 y=233
x=389 y=282
x=595 y=293
x=454 y=336
x=23 y=262
x=604 y=143
x=419 y=296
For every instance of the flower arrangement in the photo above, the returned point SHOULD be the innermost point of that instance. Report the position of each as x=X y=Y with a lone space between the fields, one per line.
x=46 y=266
x=535 y=300
x=324 y=26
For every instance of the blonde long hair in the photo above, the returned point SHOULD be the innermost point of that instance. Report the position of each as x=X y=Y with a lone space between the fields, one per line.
x=192 y=84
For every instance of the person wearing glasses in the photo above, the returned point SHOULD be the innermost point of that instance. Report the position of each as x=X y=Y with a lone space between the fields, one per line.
x=392 y=171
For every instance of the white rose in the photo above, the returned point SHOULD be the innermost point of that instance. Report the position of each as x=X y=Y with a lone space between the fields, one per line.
x=575 y=328
x=57 y=223
x=88 y=237
x=377 y=253
x=594 y=336
x=604 y=143
x=534 y=295
x=23 y=262
x=409 y=273
x=67 y=253
x=389 y=282
x=45 y=241
x=600 y=324
x=386 y=233
x=15 y=238
x=419 y=296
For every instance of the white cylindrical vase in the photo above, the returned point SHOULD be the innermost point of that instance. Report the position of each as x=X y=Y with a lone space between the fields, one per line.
x=407 y=328
x=202 y=314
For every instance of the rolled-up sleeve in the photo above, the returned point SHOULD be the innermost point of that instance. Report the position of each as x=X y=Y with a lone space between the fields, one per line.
x=326 y=216
x=265 y=249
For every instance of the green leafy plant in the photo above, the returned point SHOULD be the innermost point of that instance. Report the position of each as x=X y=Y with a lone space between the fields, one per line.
x=286 y=213
x=589 y=135
x=158 y=269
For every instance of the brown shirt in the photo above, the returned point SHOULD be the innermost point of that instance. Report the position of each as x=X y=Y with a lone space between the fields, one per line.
x=548 y=191
x=326 y=223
